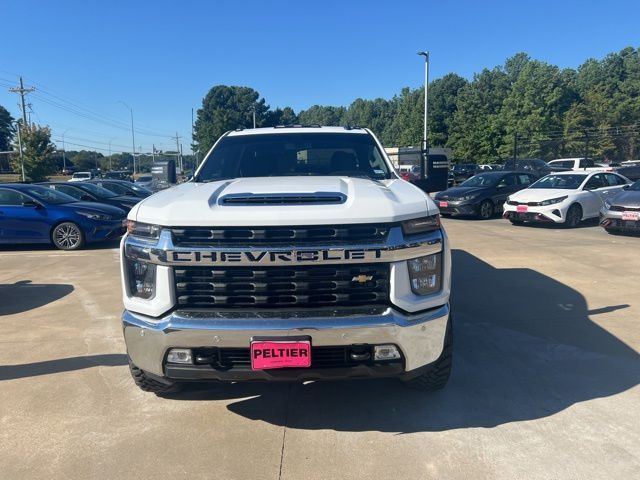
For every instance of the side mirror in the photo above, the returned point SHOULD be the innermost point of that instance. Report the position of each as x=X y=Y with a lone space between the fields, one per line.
x=31 y=204
x=626 y=186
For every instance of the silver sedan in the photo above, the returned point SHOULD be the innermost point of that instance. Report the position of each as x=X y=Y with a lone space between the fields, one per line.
x=622 y=212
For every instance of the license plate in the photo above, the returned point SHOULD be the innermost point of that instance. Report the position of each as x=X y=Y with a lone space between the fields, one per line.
x=634 y=216
x=444 y=204
x=276 y=354
x=522 y=208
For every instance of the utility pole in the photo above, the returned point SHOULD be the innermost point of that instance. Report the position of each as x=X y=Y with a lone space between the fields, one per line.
x=586 y=144
x=21 y=91
x=133 y=136
x=425 y=135
x=515 y=148
x=178 y=158
x=195 y=153
x=64 y=152
x=20 y=150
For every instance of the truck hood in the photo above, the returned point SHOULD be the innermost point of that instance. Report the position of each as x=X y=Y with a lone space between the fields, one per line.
x=365 y=201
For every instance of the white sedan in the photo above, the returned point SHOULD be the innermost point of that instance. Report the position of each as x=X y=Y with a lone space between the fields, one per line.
x=563 y=197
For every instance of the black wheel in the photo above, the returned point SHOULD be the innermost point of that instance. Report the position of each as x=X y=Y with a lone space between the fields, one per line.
x=438 y=375
x=486 y=210
x=153 y=384
x=67 y=236
x=574 y=216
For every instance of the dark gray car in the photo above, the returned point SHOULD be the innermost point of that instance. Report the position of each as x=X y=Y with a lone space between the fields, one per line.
x=621 y=213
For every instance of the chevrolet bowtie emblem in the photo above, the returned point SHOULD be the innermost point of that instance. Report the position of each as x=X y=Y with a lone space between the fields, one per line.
x=362 y=278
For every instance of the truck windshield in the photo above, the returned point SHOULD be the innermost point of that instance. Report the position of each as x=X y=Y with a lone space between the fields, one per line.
x=296 y=154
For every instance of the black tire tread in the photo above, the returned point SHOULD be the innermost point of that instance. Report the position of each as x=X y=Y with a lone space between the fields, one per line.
x=148 y=384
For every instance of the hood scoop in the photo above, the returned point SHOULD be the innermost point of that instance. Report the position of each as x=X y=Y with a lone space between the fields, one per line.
x=314 y=198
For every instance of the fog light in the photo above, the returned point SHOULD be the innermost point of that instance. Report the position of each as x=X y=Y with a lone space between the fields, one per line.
x=386 y=352
x=179 y=355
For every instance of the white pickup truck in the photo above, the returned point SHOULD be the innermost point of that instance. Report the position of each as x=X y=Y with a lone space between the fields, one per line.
x=294 y=253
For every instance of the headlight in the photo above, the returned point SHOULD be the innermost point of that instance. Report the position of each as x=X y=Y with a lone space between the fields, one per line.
x=142 y=279
x=144 y=230
x=553 y=200
x=421 y=225
x=95 y=216
x=425 y=274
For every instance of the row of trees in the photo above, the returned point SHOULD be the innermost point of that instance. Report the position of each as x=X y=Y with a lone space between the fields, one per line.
x=526 y=105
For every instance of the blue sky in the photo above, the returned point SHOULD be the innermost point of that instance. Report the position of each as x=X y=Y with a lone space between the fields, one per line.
x=161 y=57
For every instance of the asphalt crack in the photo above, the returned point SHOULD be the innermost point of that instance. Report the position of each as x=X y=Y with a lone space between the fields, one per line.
x=284 y=430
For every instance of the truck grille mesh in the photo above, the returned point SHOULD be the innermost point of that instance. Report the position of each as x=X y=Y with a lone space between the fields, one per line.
x=303 y=235
x=278 y=287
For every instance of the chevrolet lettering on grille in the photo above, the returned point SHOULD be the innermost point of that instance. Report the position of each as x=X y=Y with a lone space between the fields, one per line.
x=274 y=257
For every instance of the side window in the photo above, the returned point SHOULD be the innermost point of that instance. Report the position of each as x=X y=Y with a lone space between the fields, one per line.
x=586 y=163
x=614 y=180
x=597 y=181
x=524 y=179
x=12 y=198
x=509 y=180
x=69 y=191
x=115 y=188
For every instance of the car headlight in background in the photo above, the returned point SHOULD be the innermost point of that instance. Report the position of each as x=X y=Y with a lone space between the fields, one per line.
x=553 y=200
x=425 y=274
x=142 y=279
x=94 y=215
x=143 y=230
x=421 y=225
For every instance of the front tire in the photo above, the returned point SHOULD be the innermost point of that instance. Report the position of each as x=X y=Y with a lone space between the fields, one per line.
x=437 y=376
x=574 y=216
x=486 y=210
x=67 y=236
x=149 y=384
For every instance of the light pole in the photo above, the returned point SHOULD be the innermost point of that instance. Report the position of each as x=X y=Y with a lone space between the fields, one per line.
x=133 y=136
x=425 y=135
x=64 y=152
x=110 y=159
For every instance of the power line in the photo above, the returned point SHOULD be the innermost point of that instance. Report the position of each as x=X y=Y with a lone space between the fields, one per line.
x=22 y=91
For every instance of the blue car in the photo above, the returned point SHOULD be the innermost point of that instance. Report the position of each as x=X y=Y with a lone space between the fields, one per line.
x=36 y=214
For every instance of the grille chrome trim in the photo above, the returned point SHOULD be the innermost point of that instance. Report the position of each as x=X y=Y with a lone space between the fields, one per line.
x=395 y=249
x=280 y=287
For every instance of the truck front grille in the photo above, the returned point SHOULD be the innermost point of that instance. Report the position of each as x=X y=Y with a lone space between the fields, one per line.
x=278 y=287
x=302 y=235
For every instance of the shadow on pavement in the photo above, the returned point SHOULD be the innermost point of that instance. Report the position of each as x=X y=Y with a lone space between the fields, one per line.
x=24 y=296
x=11 y=372
x=524 y=348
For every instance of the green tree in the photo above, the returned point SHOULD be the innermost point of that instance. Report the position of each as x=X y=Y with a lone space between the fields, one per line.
x=85 y=159
x=280 y=116
x=226 y=108
x=6 y=134
x=443 y=96
x=477 y=129
x=36 y=150
x=320 y=115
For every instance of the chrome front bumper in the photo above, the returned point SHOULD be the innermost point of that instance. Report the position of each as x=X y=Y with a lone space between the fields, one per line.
x=419 y=336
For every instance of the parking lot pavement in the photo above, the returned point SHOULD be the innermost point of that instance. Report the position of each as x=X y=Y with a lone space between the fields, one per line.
x=545 y=380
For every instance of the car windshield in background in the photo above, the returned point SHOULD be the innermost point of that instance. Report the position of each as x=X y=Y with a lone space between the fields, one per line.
x=144 y=178
x=483 y=180
x=48 y=195
x=635 y=186
x=97 y=190
x=298 y=154
x=565 y=182
x=138 y=188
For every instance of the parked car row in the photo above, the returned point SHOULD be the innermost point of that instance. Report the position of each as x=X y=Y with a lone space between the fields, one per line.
x=566 y=197
x=67 y=215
